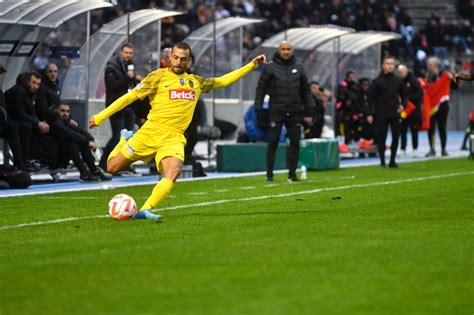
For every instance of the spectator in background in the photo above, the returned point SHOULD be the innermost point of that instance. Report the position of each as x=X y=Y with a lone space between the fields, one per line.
x=316 y=129
x=435 y=30
x=47 y=100
x=165 y=57
x=465 y=8
x=221 y=12
x=253 y=131
x=10 y=131
x=470 y=128
x=456 y=38
x=440 y=117
x=285 y=81
x=191 y=133
x=20 y=100
x=119 y=79
x=387 y=100
x=347 y=107
x=412 y=120
x=76 y=144
x=48 y=93
x=364 y=110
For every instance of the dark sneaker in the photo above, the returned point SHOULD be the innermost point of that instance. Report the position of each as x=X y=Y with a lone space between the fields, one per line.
x=293 y=179
x=33 y=165
x=102 y=175
x=27 y=168
x=393 y=165
x=269 y=177
x=444 y=153
x=88 y=178
x=431 y=153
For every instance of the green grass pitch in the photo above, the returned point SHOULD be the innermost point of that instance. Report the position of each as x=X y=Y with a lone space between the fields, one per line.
x=351 y=241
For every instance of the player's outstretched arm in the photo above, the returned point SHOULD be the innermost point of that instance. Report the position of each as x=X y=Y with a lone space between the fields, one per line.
x=234 y=76
x=119 y=104
x=259 y=60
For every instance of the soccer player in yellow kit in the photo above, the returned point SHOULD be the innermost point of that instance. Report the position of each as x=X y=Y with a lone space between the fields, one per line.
x=173 y=95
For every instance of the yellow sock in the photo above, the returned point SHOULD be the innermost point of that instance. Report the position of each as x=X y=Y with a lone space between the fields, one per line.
x=159 y=193
x=117 y=148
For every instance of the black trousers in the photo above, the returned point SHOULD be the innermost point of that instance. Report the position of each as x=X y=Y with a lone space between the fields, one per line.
x=14 y=133
x=79 y=154
x=413 y=126
x=368 y=130
x=293 y=127
x=24 y=131
x=317 y=128
x=382 y=123
x=124 y=119
x=440 y=118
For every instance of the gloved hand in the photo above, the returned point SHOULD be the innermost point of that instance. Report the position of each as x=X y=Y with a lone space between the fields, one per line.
x=262 y=118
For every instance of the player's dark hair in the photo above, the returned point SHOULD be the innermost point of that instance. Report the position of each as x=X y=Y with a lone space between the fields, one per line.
x=126 y=45
x=314 y=82
x=183 y=45
x=362 y=80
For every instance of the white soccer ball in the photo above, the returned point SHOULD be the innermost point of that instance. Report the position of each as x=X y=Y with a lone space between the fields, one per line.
x=122 y=207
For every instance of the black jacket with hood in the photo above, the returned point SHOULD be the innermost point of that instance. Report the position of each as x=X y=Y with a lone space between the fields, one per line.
x=286 y=83
x=48 y=97
x=20 y=101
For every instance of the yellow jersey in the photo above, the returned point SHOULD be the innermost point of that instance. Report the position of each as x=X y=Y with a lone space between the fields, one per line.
x=173 y=97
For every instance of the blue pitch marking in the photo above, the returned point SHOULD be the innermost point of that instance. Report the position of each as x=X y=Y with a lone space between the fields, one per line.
x=454 y=143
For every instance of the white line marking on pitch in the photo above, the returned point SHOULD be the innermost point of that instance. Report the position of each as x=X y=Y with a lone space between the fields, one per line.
x=217 y=202
x=64 y=197
x=270 y=185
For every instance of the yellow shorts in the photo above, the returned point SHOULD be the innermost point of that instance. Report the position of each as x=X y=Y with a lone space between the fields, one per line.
x=151 y=141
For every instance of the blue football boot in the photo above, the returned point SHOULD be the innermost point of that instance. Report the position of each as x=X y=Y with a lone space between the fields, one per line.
x=146 y=215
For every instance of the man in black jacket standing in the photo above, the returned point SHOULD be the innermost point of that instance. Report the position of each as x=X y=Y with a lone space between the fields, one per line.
x=387 y=100
x=285 y=81
x=414 y=94
x=119 y=79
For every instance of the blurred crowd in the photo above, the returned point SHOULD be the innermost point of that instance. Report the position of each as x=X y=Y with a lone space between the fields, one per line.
x=438 y=37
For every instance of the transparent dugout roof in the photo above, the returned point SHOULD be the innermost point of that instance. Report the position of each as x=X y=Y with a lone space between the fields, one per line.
x=103 y=44
x=202 y=38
